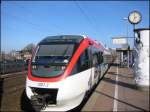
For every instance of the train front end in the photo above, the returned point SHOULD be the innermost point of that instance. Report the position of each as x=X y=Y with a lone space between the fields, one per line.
x=51 y=84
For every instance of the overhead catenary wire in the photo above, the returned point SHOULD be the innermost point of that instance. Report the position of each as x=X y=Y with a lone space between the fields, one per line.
x=34 y=26
x=90 y=20
x=86 y=17
x=32 y=13
x=17 y=18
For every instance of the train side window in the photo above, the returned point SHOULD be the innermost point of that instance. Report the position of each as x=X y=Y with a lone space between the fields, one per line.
x=84 y=61
x=100 y=57
x=90 y=56
x=95 y=59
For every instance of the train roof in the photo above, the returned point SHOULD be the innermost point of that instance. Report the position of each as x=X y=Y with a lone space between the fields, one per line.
x=69 y=39
x=63 y=38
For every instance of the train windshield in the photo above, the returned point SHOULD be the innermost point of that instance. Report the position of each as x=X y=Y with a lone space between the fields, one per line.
x=51 y=60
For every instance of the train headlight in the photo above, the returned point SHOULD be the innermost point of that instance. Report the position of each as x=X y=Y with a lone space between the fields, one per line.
x=34 y=67
x=63 y=68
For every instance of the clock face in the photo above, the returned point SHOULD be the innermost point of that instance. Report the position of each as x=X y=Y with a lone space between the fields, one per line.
x=134 y=17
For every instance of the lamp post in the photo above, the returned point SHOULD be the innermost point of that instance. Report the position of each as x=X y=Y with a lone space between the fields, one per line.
x=134 y=18
x=126 y=19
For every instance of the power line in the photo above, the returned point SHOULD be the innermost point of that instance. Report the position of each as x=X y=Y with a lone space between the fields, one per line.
x=36 y=26
x=95 y=30
x=31 y=13
x=86 y=16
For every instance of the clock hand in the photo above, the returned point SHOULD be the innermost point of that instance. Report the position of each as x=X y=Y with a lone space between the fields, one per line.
x=135 y=17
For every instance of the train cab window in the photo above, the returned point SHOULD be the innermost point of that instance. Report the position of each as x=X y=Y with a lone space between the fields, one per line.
x=50 y=60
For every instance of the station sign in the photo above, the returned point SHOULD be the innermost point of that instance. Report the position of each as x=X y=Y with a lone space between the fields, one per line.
x=120 y=40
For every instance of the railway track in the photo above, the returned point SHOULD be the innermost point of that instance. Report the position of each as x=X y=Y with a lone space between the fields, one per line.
x=12 y=81
x=11 y=88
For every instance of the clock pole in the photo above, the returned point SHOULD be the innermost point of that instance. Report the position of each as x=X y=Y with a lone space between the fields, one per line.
x=134 y=33
x=134 y=18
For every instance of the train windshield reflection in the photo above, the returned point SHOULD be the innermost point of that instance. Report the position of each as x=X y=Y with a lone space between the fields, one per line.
x=51 y=60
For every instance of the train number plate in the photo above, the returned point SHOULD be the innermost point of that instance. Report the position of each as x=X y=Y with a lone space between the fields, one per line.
x=42 y=84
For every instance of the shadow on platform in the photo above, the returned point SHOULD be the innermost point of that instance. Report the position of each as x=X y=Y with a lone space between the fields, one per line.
x=131 y=86
x=136 y=107
x=121 y=75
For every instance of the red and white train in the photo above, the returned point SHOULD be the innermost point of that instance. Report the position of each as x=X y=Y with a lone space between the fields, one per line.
x=62 y=70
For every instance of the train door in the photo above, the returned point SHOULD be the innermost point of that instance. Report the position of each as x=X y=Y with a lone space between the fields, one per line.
x=86 y=63
x=91 y=80
x=101 y=64
x=95 y=68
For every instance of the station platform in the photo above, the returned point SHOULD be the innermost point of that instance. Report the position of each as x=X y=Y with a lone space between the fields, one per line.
x=117 y=92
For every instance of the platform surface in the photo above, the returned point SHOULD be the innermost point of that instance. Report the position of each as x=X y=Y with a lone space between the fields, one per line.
x=117 y=92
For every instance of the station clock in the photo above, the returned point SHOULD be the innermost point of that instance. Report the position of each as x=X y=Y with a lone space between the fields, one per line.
x=134 y=17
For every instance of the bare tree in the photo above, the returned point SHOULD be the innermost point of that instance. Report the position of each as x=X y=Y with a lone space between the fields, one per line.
x=29 y=48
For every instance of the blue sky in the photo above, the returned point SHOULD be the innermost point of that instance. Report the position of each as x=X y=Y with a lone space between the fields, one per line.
x=24 y=22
